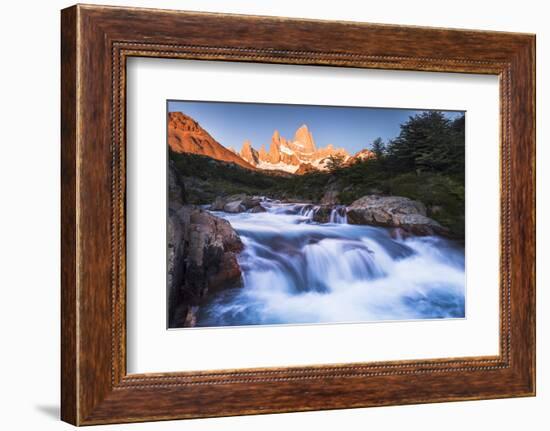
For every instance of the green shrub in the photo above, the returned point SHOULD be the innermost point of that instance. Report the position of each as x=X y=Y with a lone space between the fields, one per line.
x=425 y=162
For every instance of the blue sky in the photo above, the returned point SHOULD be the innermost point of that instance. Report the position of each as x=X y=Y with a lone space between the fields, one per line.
x=348 y=127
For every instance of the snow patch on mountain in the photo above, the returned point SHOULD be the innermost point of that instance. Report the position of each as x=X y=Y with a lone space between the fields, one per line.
x=286 y=150
x=290 y=155
x=278 y=167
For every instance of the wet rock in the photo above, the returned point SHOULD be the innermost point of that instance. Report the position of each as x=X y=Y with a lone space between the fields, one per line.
x=235 y=203
x=234 y=207
x=228 y=273
x=202 y=255
x=257 y=209
x=399 y=233
x=421 y=225
x=322 y=214
x=252 y=201
x=394 y=211
x=218 y=204
x=329 y=214
x=175 y=267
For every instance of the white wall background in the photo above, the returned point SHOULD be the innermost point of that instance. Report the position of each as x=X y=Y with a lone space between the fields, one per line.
x=29 y=215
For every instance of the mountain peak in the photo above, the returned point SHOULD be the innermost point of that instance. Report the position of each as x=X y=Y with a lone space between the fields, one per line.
x=185 y=135
x=299 y=155
x=248 y=153
x=303 y=140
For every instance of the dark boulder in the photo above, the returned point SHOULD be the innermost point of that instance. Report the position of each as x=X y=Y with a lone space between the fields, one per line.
x=235 y=203
x=322 y=213
x=257 y=209
x=202 y=256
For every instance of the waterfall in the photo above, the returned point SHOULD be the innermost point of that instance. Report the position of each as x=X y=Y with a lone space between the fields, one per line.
x=296 y=271
x=308 y=210
x=338 y=215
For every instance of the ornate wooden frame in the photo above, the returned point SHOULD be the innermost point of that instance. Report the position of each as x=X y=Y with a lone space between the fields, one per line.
x=95 y=43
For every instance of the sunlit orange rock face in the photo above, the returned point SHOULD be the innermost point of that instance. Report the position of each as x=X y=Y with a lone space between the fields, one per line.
x=364 y=154
x=185 y=135
x=299 y=155
x=249 y=154
x=303 y=139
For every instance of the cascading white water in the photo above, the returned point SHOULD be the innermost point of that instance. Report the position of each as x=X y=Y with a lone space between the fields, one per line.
x=306 y=210
x=298 y=271
x=338 y=215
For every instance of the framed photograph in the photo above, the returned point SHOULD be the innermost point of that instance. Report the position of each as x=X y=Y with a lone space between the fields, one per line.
x=263 y=214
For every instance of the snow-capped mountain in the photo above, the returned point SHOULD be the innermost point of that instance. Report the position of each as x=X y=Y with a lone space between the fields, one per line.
x=290 y=155
x=299 y=155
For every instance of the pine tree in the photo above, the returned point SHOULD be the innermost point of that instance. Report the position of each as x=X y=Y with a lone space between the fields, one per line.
x=378 y=148
x=429 y=142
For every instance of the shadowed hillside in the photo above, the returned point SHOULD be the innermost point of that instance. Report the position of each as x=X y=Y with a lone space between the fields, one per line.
x=425 y=162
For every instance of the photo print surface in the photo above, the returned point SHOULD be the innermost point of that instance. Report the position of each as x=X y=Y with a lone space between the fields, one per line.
x=300 y=214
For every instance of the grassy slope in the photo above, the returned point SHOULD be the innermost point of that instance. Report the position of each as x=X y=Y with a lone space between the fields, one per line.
x=442 y=194
x=206 y=178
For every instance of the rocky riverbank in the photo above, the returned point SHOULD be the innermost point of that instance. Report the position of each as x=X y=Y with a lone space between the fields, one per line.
x=203 y=248
x=202 y=255
x=406 y=216
x=238 y=203
x=295 y=270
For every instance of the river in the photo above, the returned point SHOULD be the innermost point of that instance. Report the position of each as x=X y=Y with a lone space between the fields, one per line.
x=296 y=271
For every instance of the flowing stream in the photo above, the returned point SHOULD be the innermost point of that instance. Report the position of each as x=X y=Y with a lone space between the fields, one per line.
x=297 y=271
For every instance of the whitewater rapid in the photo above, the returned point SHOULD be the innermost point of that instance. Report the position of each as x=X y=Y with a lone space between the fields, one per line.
x=297 y=271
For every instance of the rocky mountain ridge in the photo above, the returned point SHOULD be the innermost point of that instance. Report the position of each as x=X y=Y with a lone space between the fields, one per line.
x=185 y=135
x=298 y=155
